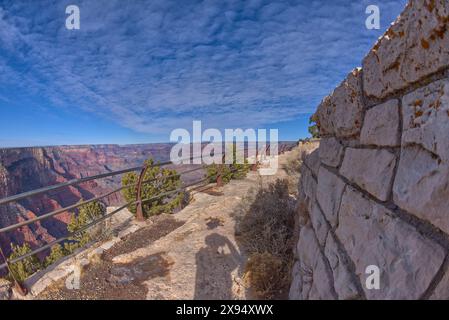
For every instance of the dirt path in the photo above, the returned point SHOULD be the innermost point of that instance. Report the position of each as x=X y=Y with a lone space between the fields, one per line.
x=190 y=255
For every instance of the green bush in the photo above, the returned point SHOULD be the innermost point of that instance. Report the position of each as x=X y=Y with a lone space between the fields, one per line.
x=86 y=214
x=313 y=128
x=165 y=180
x=228 y=171
x=26 y=267
x=57 y=253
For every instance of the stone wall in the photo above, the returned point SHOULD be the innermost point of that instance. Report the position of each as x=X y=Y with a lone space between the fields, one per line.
x=376 y=192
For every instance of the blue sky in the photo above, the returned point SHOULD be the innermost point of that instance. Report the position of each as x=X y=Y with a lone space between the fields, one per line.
x=138 y=69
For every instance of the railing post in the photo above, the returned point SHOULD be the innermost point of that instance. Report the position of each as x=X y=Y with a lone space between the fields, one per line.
x=17 y=285
x=256 y=161
x=220 y=172
x=139 y=209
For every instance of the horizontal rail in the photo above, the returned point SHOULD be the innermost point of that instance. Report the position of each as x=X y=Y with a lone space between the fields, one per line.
x=69 y=183
x=82 y=203
x=72 y=182
x=67 y=237
x=93 y=223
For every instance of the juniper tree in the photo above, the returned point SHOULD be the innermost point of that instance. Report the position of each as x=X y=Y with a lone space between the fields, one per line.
x=163 y=181
x=26 y=267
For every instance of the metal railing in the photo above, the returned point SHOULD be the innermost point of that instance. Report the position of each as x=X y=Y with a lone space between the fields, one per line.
x=139 y=209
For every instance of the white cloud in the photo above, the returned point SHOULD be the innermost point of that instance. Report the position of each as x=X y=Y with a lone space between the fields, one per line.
x=159 y=65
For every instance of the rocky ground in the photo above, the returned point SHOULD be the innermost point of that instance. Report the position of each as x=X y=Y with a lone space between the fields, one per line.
x=193 y=254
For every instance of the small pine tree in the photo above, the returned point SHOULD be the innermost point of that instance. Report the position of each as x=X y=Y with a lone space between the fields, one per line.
x=86 y=214
x=57 y=252
x=165 y=180
x=228 y=171
x=26 y=267
x=313 y=128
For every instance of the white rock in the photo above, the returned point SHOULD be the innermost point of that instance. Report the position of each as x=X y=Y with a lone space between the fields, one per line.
x=307 y=186
x=372 y=236
x=426 y=118
x=41 y=285
x=331 y=152
x=315 y=282
x=343 y=283
x=340 y=114
x=370 y=169
x=381 y=125
x=5 y=289
x=329 y=191
x=416 y=46
x=128 y=231
x=421 y=186
x=312 y=161
x=319 y=224
x=109 y=244
x=59 y=273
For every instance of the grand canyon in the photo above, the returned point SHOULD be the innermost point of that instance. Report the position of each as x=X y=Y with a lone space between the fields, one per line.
x=25 y=169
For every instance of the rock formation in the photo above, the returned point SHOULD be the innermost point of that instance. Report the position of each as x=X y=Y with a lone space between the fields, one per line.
x=24 y=169
x=376 y=191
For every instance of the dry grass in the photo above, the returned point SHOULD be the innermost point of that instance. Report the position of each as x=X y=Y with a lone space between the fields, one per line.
x=262 y=273
x=266 y=231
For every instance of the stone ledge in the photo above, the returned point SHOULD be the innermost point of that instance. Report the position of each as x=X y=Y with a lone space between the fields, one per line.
x=340 y=114
x=414 y=47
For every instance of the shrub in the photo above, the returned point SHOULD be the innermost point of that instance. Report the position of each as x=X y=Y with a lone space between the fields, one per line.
x=57 y=252
x=313 y=128
x=267 y=232
x=228 y=171
x=166 y=180
x=26 y=267
x=86 y=214
x=262 y=272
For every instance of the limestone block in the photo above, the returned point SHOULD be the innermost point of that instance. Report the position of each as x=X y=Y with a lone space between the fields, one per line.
x=316 y=284
x=308 y=186
x=371 y=235
x=312 y=161
x=329 y=191
x=370 y=169
x=331 y=151
x=421 y=186
x=340 y=114
x=41 y=285
x=381 y=125
x=426 y=118
x=343 y=283
x=415 y=46
x=319 y=224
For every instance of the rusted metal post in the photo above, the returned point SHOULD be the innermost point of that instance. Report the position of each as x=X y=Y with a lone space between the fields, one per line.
x=17 y=285
x=139 y=210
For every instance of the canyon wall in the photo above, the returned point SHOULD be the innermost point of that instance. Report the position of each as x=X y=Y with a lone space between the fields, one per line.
x=25 y=169
x=376 y=192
